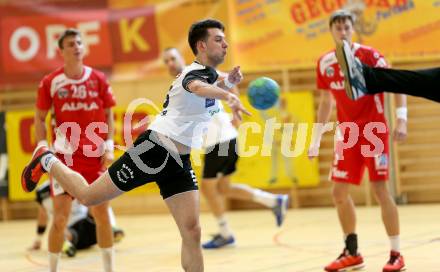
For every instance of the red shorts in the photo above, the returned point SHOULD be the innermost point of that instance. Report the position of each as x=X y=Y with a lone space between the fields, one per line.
x=89 y=167
x=351 y=168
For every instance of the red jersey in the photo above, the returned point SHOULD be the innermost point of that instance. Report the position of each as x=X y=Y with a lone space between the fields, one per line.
x=369 y=108
x=76 y=103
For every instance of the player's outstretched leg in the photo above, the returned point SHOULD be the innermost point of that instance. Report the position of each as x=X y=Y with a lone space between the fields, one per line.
x=361 y=79
x=43 y=160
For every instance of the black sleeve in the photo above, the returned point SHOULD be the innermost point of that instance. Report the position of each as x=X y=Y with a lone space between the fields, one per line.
x=208 y=75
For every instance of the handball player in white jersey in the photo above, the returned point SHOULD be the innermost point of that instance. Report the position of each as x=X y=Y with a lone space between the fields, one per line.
x=220 y=163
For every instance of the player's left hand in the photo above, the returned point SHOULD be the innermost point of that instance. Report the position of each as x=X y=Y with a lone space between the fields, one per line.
x=107 y=158
x=401 y=130
x=235 y=76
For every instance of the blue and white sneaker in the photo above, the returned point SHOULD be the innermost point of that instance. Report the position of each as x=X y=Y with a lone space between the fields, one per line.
x=281 y=208
x=218 y=241
x=355 y=86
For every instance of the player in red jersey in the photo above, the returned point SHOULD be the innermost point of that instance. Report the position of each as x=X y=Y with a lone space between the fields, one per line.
x=79 y=99
x=363 y=142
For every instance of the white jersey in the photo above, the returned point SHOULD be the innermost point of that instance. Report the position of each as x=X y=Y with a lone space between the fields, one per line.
x=185 y=116
x=220 y=129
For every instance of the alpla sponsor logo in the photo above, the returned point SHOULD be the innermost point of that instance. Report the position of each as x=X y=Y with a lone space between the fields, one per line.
x=76 y=106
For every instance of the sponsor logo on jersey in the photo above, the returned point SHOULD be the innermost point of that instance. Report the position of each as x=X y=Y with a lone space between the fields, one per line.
x=212 y=112
x=209 y=102
x=330 y=71
x=92 y=83
x=339 y=173
x=337 y=85
x=93 y=94
x=381 y=161
x=125 y=173
x=63 y=93
x=77 y=106
x=376 y=55
x=194 y=178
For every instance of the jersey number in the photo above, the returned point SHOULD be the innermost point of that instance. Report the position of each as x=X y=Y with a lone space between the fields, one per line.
x=79 y=91
x=167 y=101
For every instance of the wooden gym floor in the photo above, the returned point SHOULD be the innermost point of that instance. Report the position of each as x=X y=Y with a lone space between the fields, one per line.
x=309 y=239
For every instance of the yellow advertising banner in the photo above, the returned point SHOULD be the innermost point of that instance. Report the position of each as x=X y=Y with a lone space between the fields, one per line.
x=20 y=143
x=295 y=33
x=273 y=144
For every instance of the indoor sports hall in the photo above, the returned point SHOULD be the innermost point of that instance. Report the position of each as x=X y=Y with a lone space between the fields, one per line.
x=308 y=180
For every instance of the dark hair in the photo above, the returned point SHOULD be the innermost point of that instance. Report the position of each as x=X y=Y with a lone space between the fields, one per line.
x=340 y=16
x=67 y=33
x=199 y=31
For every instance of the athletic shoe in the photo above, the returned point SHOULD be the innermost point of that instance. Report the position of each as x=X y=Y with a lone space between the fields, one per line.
x=281 y=208
x=69 y=249
x=33 y=171
x=395 y=263
x=346 y=262
x=218 y=241
x=355 y=86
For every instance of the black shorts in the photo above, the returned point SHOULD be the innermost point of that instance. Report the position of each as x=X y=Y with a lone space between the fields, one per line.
x=148 y=161
x=83 y=233
x=221 y=160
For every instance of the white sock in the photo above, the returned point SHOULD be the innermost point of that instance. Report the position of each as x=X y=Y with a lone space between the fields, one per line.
x=223 y=225
x=47 y=161
x=108 y=258
x=395 y=243
x=53 y=261
x=265 y=198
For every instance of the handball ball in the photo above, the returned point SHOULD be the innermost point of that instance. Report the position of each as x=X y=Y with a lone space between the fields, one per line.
x=263 y=93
